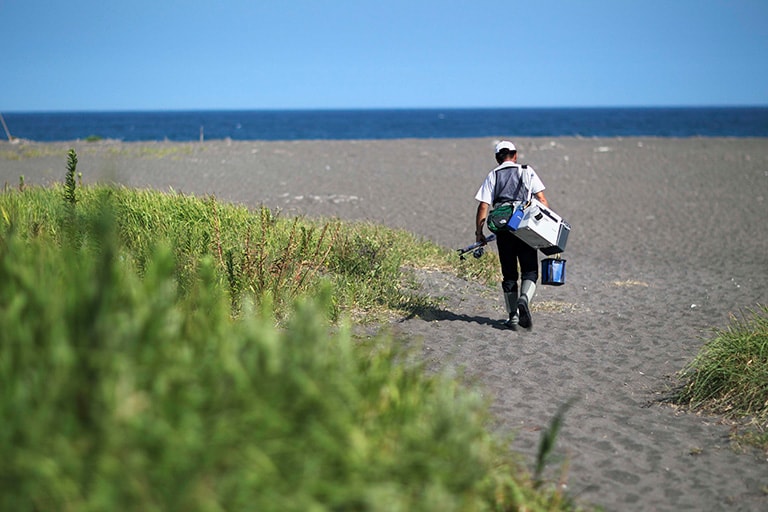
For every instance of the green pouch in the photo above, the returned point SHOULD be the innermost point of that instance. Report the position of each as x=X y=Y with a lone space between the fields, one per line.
x=498 y=218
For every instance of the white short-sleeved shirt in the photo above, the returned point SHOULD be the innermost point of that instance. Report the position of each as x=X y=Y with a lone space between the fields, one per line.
x=485 y=193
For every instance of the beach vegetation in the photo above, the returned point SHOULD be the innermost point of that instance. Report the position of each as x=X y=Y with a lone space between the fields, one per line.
x=25 y=151
x=258 y=254
x=28 y=150
x=166 y=352
x=729 y=376
x=18 y=154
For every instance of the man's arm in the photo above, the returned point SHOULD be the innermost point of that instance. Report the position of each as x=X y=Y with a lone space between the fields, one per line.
x=482 y=213
x=540 y=197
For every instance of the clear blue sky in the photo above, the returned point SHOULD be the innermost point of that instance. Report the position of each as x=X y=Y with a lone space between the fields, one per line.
x=296 y=54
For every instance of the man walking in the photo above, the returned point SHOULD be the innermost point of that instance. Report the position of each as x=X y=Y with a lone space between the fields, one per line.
x=511 y=182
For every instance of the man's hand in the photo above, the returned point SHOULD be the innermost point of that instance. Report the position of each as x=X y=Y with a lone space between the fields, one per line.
x=482 y=213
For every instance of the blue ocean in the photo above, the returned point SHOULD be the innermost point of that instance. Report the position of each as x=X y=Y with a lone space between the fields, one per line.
x=390 y=124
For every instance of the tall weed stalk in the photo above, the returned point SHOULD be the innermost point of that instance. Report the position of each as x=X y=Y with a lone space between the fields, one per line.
x=70 y=185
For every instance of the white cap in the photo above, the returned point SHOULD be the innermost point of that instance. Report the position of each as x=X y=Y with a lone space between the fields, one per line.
x=505 y=144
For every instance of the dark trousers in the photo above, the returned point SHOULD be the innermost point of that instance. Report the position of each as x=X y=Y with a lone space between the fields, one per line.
x=512 y=251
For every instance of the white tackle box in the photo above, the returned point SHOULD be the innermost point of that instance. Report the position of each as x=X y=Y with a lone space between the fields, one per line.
x=540 y=227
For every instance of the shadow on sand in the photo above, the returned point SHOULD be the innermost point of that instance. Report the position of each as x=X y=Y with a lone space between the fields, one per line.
x=431 y=314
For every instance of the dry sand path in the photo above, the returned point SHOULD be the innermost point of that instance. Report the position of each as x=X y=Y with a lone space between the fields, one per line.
x=668 y=240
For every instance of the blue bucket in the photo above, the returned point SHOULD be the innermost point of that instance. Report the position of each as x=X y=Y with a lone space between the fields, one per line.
x=553 y=271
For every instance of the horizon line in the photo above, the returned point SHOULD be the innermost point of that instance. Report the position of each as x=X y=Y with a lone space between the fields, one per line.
x=382 y=109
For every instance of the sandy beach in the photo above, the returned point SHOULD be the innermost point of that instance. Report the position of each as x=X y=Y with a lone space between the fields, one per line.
x=668 y=240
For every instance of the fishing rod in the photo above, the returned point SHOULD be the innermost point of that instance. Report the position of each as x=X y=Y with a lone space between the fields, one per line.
x=477 y=249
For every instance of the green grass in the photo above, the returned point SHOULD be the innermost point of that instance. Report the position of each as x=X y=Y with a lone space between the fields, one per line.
x=164 y=352
x=26 y=151
x=123 y=393
x=257 y=253
x=729 y=376
x=30 y=151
